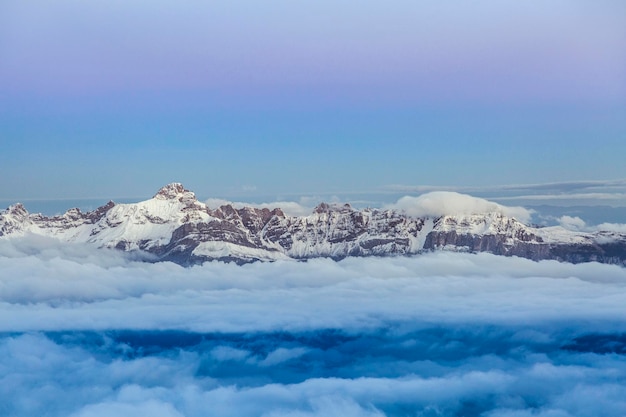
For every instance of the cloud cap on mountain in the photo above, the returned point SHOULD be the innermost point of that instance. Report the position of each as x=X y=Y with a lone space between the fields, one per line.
x=442 y=203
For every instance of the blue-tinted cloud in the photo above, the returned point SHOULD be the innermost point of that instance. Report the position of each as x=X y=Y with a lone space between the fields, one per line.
x=435 y=335
x=442 y=371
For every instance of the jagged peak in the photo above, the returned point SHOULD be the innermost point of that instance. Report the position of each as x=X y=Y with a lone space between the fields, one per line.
x=278 y=212
x=100 y=211
x=327 y=208
x=107 y=206
x=174 y=191
x=17 y=209
x=75 y=211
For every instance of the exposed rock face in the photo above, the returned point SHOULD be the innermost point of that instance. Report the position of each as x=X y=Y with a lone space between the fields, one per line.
x=175 y=226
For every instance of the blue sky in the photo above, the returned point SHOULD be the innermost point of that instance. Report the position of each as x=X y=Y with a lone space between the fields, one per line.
x=275 y=99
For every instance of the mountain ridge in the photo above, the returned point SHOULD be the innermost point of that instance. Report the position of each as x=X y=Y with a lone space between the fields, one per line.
x=175 y=226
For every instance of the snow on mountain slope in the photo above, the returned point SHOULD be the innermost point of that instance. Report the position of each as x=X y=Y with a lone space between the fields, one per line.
x=338 y=231
x=150 y=223
x=142 y=225
x=225 y=250
x=558 y=234
x=175 y=226
x=15 y=221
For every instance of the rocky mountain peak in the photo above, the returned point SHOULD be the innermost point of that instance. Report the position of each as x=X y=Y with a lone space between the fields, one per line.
x=278 y=212
x=17 y=210
x=174 y=226
x=175 y=191
x=73 y=213
x=327 y=208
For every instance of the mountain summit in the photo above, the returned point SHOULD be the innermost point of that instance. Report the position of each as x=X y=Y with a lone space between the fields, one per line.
x=175 y=226
x=172 y=191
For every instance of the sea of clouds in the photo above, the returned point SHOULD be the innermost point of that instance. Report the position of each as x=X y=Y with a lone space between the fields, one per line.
x=87 y=332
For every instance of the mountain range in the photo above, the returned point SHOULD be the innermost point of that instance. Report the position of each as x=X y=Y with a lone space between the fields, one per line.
x=175 y=226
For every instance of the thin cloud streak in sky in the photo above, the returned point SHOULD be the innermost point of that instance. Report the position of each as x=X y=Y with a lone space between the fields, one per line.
x=581 y=187
x=609 y=192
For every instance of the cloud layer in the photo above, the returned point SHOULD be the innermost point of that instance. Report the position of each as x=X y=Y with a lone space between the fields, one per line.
x=434 y=335
x=53 y=286
x=439 y=371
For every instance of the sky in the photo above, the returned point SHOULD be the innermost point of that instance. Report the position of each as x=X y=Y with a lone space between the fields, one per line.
x=522 y=103
x=276 y=99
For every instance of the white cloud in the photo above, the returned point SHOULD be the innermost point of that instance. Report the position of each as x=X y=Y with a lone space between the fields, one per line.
x=217 y=202
x=46 y=248
x=578 y=224
x=54 y=293
x=439 y=334
x=330 y=406
x=152 y=408
x=612 y=227
x=572 y=223
x=439 y=203
x=282 y=355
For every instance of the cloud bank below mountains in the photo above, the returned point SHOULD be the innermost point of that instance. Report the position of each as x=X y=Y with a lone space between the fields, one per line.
x=56 y=289
x=440 y=334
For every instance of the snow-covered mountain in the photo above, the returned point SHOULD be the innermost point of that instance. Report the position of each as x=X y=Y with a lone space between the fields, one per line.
x=175 y=226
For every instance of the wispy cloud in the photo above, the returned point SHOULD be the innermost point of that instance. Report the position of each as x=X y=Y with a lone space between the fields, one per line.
x=567 y=192
x=563 y=187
